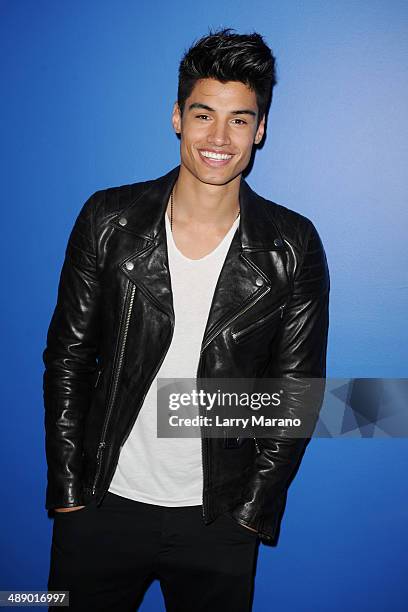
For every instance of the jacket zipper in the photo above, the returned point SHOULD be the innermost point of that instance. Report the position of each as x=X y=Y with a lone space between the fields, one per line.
x=204 y=443
x=238 y=314
x=97 y=378
x=238 y=334
x=124 y=331
x=253 y=326
x=256 y=446
x=145 y=393
x=204 y=457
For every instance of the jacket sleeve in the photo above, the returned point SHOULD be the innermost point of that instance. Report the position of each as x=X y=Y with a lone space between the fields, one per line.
x=70 y=360
x=300 y=355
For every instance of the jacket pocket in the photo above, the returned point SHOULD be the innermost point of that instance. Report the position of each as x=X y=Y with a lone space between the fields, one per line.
x=240 y=335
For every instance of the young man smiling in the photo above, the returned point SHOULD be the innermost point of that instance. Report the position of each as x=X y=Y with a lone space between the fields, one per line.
x=219 y=126
x=188 y=275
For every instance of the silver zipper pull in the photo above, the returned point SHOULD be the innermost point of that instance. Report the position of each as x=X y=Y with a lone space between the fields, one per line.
x=98 y=377
x=256 y=446
x=100 y=447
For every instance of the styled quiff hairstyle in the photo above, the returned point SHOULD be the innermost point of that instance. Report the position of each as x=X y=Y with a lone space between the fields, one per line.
x=229 y=57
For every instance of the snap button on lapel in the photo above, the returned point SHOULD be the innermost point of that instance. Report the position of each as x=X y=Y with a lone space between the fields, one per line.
x=278 y=242
x=122 y=221
x=129 y=264
x=259 y=281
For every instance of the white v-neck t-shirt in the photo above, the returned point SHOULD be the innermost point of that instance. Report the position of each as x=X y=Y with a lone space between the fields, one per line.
x=168 y=471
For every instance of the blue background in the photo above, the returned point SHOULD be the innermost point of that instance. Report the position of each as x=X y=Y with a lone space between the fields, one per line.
x=88 y=89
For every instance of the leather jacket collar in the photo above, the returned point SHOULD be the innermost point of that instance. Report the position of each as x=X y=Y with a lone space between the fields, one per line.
x=247 y=261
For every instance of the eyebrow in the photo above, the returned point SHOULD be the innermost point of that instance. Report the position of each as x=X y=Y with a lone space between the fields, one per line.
x=245 y=111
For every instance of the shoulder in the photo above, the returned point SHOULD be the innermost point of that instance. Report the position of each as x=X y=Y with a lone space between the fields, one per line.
x=110 y=201
x=299 y=237
x=293 y=227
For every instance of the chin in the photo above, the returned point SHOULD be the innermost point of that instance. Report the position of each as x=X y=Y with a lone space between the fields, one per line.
x=214 y=179
x=213 y=176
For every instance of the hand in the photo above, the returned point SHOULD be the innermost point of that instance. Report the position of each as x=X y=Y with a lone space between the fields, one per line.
x=68 y=509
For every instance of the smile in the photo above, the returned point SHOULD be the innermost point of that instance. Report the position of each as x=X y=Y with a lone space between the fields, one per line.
x=212 y=155
x=215 y=159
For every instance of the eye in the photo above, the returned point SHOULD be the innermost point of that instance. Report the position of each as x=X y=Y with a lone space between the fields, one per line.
x=241 y=120
x=199 y=116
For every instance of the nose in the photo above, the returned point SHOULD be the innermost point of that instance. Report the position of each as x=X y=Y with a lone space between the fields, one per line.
x=218 y=134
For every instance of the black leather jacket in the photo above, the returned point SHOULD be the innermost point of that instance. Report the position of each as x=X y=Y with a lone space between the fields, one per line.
x=113 y=323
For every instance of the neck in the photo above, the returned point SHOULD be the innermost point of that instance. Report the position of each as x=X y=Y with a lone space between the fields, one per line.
x=205 y=204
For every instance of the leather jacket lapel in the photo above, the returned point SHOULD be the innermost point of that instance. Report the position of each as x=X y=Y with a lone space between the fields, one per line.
x=247 y=274
x=147 y=264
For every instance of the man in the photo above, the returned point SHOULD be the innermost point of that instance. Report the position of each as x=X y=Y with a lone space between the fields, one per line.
x=189 y=275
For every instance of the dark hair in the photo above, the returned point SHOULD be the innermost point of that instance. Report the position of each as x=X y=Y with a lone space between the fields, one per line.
x=229 y=57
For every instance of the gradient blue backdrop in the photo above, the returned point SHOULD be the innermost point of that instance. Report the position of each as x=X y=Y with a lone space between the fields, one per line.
x=88 y=89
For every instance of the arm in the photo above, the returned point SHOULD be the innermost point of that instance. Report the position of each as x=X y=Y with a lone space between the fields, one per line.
x=300 y=354
x=70 y=362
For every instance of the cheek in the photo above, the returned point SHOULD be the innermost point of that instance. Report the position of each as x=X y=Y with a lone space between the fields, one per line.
x=188 y=139
x=244 y=139
x=245 y=146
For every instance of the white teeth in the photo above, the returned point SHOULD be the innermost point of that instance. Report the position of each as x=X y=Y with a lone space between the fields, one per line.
x=215 y=155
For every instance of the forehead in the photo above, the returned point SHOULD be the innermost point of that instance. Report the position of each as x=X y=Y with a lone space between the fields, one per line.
x=223 y=94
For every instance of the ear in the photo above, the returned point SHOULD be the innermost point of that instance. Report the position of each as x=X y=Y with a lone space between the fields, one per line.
x=260 y=131
x=176 y=118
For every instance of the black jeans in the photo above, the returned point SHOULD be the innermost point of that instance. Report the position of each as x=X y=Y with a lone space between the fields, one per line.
x=107 y=557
